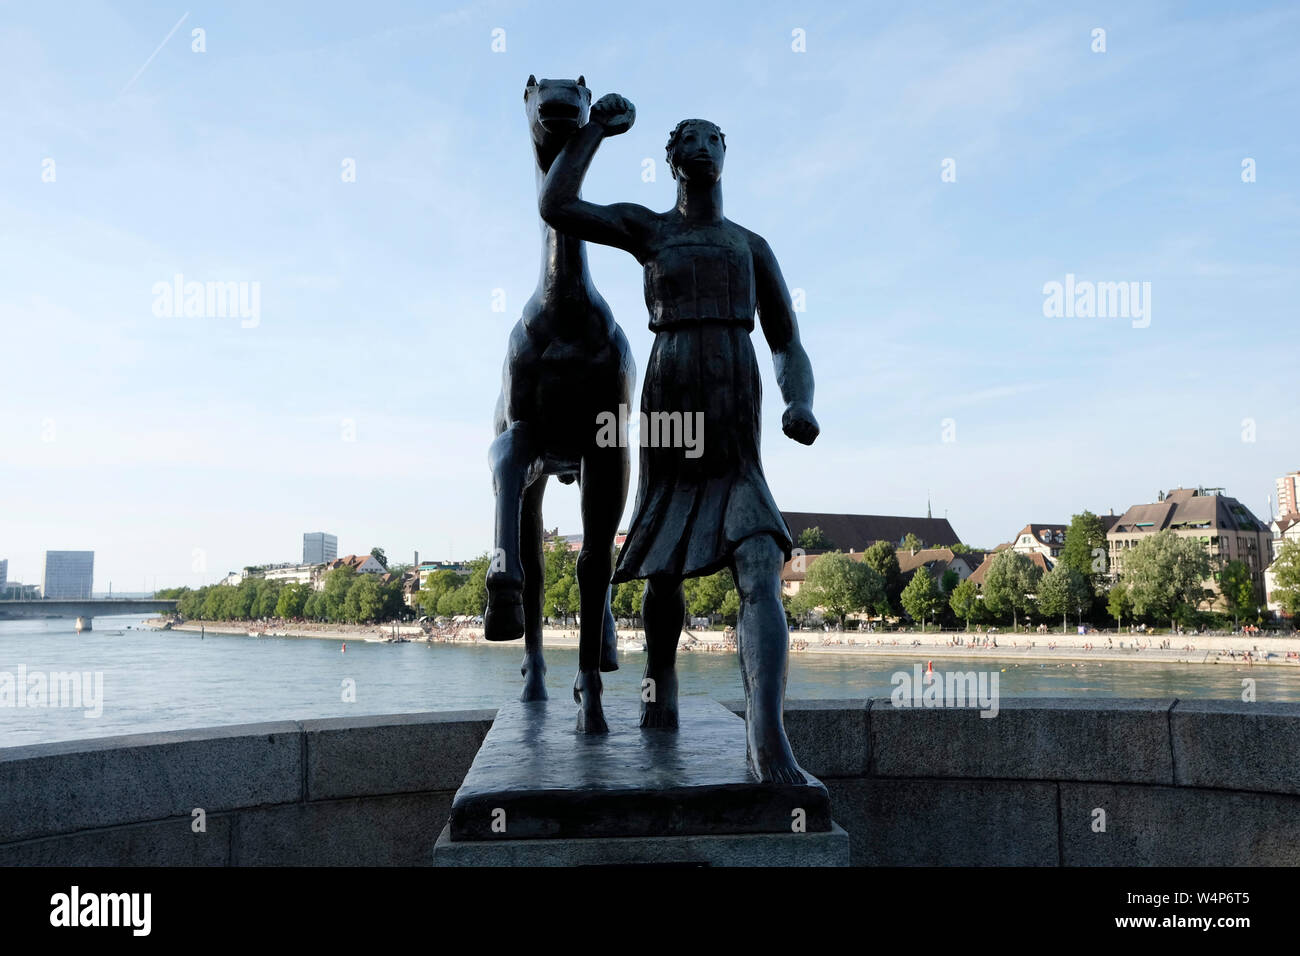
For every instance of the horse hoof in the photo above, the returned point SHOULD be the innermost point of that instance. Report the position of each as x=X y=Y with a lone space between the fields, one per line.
x=592 y=722
x=504 y=618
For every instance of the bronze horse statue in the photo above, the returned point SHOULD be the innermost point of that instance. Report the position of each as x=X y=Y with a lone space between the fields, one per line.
x=567 y=367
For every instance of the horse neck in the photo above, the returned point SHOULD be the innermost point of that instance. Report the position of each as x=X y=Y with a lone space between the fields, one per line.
x=564 y=259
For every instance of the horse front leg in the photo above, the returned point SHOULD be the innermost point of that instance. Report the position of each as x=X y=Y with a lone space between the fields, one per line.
x=515 y=462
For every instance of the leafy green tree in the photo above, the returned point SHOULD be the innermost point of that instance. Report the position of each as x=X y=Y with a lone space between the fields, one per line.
x=1165 y=575
x=378 y=555
x=366 y=599
x=704 y=595
x=293 y=600
x=558 y=561
x=1286 y=575
x=839 y=586
x=450 y=602
x=949 y=580
x=912 y=543
x=313 y=609
x=435 y=586
x=959 y=548
x=473 y=593
x=814 y=539
x=1062 y=590
x=882 y=558
x=730 y=610
x=1010 y=584
x=626 y=601
x=246 y=598
x=337 y=584
x=922 y=597
x=964 y=600
x=558 y=601
x=1085 y=549
x=393 y=601
x=1237 y=586
x=1119 y=604
x=190 y=604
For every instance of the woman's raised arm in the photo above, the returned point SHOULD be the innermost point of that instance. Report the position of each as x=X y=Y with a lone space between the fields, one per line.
x=624 y=225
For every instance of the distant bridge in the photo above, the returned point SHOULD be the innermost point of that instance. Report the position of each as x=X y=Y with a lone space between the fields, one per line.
x=83 y=609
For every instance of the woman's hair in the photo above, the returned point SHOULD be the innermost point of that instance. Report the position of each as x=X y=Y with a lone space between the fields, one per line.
x=676 y=134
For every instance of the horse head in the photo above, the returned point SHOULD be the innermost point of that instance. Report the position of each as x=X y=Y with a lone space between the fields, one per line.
x=555 y=110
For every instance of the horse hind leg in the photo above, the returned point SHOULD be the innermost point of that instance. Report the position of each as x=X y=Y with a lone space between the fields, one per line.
x=530 y=552
x=603 y=496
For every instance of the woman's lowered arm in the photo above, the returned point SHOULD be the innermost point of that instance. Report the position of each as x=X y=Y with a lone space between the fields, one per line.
x=794 y=373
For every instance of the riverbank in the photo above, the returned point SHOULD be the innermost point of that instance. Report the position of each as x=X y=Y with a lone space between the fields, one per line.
x=1186 y=649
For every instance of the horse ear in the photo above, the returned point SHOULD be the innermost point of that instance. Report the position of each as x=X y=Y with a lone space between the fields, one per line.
x=582 y=81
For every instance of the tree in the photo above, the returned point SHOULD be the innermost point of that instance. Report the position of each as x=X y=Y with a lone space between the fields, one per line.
x=730 y=610
x=1085 y=546
x=558 y=601
x=949 y=580
x=337 y=584
x=312 y=609
x=437 y=584
x=293 y=600
x=1062 y=590
x=1237 y=586
x=1119 y=603
x=814 y=539
x=921 y=598
x=558 y=561
x=839 y=586
x=266 y=597
x=626 y=600
x=1165 y=575
x=366 y=599
x=704 y=595
x=473 y=593
x=912 y=543
x=1010 y=584
x=964 y=600
x=378 y=555
x=1286 y=574
x=882 y=558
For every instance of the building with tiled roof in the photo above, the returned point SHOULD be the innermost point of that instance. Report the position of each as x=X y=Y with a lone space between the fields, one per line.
x=846 y=532
x=1046 y=539
x=980 y=573
x=1222 y=525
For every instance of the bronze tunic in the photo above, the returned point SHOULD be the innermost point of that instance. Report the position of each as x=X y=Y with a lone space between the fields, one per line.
x=692 y=512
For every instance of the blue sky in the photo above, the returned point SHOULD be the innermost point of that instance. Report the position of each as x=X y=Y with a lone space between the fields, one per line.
x=179 y=448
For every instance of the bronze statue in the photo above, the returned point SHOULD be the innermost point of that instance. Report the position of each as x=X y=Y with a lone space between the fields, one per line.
x=705 y=277
x=566 y=363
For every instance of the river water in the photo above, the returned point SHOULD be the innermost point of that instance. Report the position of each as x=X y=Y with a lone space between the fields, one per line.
x=174 y=680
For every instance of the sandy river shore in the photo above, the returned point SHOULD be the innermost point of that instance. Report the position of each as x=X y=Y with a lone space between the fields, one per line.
x=1185 y=648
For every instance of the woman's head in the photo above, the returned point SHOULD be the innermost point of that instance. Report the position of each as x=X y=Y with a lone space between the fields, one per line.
x=696 y=149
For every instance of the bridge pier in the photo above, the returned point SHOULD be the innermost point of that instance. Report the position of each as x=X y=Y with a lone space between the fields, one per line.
x=83 y=624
